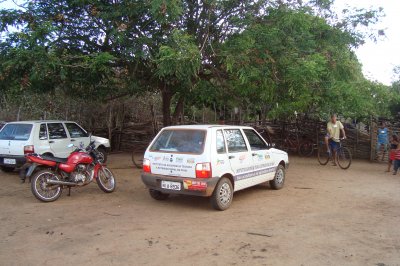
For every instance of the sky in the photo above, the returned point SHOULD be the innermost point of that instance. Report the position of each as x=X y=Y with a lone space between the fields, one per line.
x=377 y=58
x=380 y=57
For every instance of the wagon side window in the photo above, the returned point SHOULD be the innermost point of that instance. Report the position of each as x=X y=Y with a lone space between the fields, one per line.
x=56 y=131
x=220 y=142
x=235 y=140
x=43 y=132
x=255 y=141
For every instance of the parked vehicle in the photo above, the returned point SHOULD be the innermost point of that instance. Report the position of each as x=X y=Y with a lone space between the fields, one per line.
x=50 y=138
x=212 y=161
x=51 y=174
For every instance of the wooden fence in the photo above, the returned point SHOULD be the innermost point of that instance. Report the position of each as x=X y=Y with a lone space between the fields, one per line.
x=360 y=141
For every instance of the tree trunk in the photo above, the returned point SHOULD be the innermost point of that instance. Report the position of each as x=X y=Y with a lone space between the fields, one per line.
x=166 y=104
x=178 y=109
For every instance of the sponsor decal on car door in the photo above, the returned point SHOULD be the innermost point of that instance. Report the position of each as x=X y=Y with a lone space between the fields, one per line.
x=239 y=158
x=264 y=165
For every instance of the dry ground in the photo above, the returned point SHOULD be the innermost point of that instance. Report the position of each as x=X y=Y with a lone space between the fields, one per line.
x=323 y=216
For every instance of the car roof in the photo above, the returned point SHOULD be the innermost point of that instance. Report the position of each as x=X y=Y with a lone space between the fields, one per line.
x=205 y=127
x=40 y=121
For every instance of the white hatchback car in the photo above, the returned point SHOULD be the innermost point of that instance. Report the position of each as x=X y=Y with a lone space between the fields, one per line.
x=46 y=137
x=211 y=160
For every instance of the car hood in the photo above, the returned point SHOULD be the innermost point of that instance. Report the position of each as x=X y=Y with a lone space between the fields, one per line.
x=277 y=151
x=101 y=141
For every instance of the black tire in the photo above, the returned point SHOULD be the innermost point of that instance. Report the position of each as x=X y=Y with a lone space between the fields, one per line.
x=222 y=196
x=344 y=157
x=279 y=179
x=306 y=148
x=7 y=169
x=323 y=155
x=39 y=186
x=137 y=158
x=102 y=154
x=158 y=195
x=105 y=180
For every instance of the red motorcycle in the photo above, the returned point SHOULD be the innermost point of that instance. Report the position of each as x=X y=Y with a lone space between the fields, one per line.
x=51 y=174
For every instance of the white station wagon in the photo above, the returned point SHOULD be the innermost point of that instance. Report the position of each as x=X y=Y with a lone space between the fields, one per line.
x=211 y=160
x=47 y=137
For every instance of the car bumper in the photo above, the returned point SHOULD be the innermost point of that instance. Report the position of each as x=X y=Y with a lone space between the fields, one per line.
x=189 y=186
x=20 y=160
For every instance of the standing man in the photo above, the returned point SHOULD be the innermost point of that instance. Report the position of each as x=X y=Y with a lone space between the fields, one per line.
x=332 y=138
x=383 y=140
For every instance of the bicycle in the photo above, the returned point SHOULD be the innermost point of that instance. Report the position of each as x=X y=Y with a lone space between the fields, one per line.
x=140 y=147
x=343 y=155
x=138 y=154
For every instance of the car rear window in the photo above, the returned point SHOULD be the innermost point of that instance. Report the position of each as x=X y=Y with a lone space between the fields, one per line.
x=180 y=140
x=16 y=132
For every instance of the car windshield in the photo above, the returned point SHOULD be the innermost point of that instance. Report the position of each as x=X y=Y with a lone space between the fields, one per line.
x=16 y=132
x=180 y=140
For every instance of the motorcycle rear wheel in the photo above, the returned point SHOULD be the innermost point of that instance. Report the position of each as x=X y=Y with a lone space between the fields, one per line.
x=106 y=180
x=41 y=190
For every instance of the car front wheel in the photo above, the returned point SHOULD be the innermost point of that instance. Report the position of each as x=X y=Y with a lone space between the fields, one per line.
x=279 y=179
x=222 y=197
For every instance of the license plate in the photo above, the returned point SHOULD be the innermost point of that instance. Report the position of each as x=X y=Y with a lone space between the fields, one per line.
x=9 y=161
x=170 y=185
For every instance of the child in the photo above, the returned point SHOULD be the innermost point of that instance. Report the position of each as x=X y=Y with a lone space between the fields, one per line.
x=396 y=164
x=394 y=141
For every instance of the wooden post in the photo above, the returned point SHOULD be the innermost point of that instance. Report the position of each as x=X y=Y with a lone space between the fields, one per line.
x=357 y=139
x=19 y=113
x=371 y=133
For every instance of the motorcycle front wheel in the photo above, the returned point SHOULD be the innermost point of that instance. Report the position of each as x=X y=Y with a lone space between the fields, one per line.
x=106 y=180
x=41 y=189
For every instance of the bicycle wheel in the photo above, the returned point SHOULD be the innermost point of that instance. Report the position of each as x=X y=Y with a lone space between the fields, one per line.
x=344 y=157
x=323 y=155
x=306 y=148
x=137 y=157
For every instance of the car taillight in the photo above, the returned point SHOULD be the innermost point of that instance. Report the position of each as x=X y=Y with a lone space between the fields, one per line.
x=29 y=149
x=203 y=170
x=146 y=166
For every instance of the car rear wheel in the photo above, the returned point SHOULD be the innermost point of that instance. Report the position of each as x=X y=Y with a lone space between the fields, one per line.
x=7 y=169
x=222 y=197
x=158 y=195
x=279 y=179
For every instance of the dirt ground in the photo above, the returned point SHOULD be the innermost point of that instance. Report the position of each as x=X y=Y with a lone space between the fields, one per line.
x=323 y=216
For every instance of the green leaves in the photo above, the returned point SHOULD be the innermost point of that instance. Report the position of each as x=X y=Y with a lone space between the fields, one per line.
x=179 y=60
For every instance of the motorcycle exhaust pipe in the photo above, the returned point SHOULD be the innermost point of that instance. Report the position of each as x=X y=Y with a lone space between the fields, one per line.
x=62 y=183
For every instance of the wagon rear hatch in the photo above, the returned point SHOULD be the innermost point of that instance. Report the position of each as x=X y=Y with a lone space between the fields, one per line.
x=175 y=152
x=13 y=138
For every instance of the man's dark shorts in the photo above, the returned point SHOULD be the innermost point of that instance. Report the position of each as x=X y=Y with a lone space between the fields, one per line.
x=333 y=145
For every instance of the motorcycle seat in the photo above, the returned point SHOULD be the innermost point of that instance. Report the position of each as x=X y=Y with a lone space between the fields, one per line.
x=54 y=159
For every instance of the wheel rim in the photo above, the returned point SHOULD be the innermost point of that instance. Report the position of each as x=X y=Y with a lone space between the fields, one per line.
x=323 y=156
x=306 y=149
x=344 y=158
x=106 y=178
x=137 y=158
x=225 y=194
x=280 y=176
x=44 y=190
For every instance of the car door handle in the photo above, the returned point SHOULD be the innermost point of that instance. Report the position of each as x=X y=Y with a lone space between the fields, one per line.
x=254 y=154
x=51 y=141
x=72 y=140
x=231 y=157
